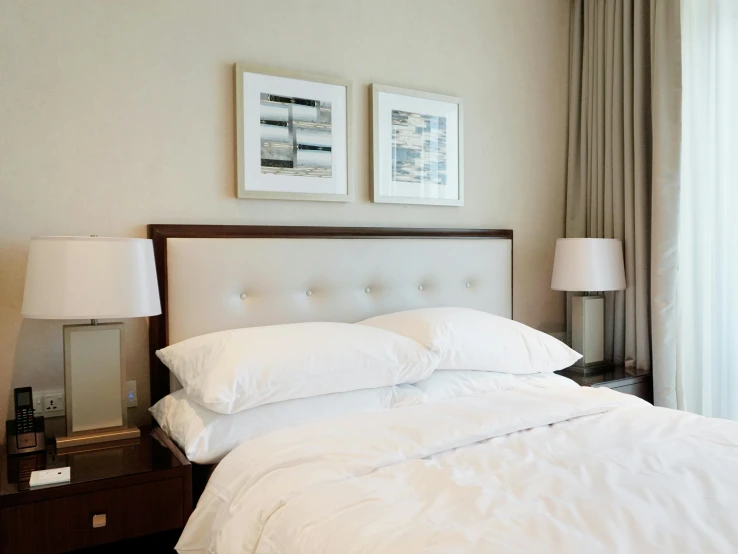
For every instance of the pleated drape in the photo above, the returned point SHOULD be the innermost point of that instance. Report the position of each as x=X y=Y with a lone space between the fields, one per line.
x=666 y=116
x=610 y=154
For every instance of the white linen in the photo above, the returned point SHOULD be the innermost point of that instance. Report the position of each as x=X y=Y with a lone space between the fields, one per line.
x=206 y=436
x=558 y=469
x=472 y=339
x=234 y=370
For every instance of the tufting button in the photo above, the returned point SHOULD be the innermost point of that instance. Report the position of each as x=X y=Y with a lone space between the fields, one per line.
x=243 y=296
x=468 y=285
x=367 y=290
x=420 y=287
x=309 y=293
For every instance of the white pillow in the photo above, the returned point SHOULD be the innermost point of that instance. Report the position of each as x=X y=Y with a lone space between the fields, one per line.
x=206 y=436
x=231 y=371
x=470 y=339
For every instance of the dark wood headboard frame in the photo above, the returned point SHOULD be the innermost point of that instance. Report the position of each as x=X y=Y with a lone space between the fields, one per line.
x=158 y=333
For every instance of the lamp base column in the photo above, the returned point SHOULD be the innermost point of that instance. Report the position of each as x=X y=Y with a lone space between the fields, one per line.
x=588 y=331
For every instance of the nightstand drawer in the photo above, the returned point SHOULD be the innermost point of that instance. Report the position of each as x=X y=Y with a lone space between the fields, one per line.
x=64 y=524
x=641 y=390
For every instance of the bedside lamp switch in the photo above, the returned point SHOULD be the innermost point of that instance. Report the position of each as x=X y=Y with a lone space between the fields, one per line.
x=99 y=520
x=131 y=394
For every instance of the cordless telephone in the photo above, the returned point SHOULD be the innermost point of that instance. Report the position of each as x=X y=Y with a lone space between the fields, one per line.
x=25 y=436
x=25 y=433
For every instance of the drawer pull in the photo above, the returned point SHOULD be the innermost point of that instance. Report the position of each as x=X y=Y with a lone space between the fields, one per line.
x=99 y=520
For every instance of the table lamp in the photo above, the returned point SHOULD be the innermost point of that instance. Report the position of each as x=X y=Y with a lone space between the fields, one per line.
x=587 y=265
x=92 y=278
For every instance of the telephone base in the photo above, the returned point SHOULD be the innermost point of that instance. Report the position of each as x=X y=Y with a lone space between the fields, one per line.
x=12 y=443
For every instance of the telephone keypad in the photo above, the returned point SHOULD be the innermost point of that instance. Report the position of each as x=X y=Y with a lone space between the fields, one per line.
x=24 y=420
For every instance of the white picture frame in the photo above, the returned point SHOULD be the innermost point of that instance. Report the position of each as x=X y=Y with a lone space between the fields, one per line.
x=288 y=158
x=412 y=167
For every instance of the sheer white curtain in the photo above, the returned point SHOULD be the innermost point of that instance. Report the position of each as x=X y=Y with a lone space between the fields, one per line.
x=707 y=282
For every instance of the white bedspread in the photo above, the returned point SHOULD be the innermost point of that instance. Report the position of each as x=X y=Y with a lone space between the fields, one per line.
x=531 y=469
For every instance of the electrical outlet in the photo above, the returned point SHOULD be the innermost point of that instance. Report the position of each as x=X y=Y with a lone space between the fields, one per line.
x=131 y=394
x=53 y=404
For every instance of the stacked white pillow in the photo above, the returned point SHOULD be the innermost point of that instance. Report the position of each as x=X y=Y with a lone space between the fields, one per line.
x=243 y=383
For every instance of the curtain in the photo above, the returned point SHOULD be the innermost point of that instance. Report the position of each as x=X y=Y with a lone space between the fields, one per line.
x=666 y=181
x=707 y=310
x=611 y=146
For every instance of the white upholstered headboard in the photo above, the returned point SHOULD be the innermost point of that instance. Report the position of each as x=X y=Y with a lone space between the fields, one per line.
x=213 y=278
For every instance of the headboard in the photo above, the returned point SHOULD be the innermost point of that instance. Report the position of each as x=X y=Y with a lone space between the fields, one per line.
x=216 y=277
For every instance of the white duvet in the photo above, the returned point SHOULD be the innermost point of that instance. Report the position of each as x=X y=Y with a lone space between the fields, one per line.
x=530 y=469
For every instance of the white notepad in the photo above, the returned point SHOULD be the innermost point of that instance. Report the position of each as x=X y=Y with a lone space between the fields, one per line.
x=50 y=477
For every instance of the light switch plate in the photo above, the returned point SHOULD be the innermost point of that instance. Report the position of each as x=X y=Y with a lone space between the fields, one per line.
x=131 y=394
x=38 y=403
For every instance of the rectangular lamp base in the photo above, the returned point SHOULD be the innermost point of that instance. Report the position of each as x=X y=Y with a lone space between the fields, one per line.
x=97 y=437
x=588 y=330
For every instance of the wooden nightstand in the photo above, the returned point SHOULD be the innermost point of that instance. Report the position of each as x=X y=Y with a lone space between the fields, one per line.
x=141 y=487
x=620 y=378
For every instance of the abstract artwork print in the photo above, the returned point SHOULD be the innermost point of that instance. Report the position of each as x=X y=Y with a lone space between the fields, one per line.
x=296 y=137
x=418 y=148
x=292 y=135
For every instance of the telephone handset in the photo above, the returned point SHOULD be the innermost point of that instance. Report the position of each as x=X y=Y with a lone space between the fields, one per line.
x=26 y=433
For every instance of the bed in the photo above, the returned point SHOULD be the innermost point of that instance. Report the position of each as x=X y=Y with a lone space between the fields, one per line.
x=533 y=463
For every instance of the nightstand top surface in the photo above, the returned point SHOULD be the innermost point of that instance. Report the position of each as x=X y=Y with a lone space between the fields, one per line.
x=606 y=374
x=91 y=463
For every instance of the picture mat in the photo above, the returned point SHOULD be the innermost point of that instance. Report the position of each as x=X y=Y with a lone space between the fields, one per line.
x=253 y=85
x=386 y=103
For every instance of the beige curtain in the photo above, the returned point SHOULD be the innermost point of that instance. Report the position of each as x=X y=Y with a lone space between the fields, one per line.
x=666 y=119
x=612 y=148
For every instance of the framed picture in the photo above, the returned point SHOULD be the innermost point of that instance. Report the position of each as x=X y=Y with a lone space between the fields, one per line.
x=418 y=147
x=292 y=135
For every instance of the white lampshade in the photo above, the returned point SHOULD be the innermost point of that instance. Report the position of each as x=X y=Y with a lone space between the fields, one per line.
x=90 y=278
x=588 y=265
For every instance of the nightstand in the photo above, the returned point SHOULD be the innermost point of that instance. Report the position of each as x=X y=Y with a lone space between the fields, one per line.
x=620 y=378
x=134 y=488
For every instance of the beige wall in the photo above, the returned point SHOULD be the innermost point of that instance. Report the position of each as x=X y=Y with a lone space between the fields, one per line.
x=118 y=114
